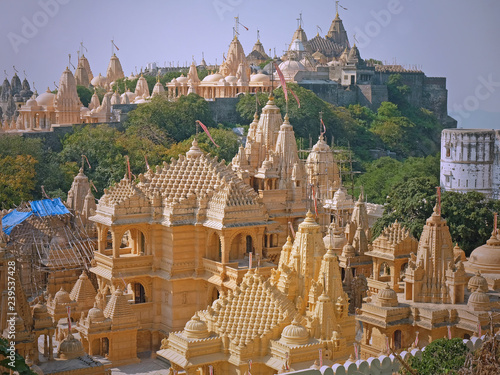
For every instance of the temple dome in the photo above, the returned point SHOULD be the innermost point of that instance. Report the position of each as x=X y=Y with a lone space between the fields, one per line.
x=290 y=67
x=62 y=296
x=479 y=301
x=70 y=348
x=231 y=79
x=99 y=81
x=130 y=94
x=486 y=257
x=95 y=314
x=216 y=77
x=478 y=282
x=46 y=99
x=387 y=297
x=32 y=102
x=194 y=151
x=40 y=311
x=196 y=328
x=348 y=250
x=295 y=334
x=182 y=79
x=259 y=77
x=309 y=63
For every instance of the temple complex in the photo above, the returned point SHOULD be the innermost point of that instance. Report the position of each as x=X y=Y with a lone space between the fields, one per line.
x=41 y=113
x=433 y=302
x=284 y=322
x=234 y=77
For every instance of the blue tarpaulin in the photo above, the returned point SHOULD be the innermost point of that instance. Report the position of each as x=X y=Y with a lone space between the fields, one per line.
x=14 y=218
x=49 y=207
x=45 y=207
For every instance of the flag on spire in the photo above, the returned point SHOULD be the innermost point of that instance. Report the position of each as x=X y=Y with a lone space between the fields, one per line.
x=296 y=98
x=87 y=160
x=324 y=127
x=205 y=129
x=282 y=80
x=92 y=184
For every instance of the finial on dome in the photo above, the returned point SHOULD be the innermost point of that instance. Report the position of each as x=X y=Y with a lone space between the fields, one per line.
x=194 y=151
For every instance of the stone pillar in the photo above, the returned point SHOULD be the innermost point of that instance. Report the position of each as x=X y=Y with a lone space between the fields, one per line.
x=51 y=348
x=101 y=241
x=258 y=244
x=45 y=346
x=224 y=249
x=116 y=244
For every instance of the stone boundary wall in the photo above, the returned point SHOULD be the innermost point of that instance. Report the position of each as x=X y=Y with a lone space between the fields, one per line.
x=383 y=365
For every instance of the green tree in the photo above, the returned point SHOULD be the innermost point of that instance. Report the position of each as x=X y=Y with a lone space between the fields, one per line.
x=442 y=356
x=394 y=129
x=106 y=148
x=383 y=174
x=398 y=92
x=85 y=95
x=175 y=119
x=411 y=202
x=469 y=217
x=47 y=171
x=17 y=180
x=99 y=144
x=364 y=115
x=19 y=363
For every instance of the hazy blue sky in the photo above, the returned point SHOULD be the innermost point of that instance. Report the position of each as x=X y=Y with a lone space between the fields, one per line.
x=457 y=39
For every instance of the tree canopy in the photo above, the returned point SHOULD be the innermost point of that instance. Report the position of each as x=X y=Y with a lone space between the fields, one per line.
x=382 y=175
x=442 y=356
x=176 y=119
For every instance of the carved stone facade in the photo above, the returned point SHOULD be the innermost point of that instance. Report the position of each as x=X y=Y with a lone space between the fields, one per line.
x=282 y=322
x=434 y=302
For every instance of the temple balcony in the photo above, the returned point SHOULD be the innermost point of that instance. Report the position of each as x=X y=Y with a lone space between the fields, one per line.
x=231 y=274
x=127 y=264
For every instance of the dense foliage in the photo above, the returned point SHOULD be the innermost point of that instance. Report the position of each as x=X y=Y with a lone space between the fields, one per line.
x=175 y=119
x=442 y=356
x=382 y=175
x=20 y=365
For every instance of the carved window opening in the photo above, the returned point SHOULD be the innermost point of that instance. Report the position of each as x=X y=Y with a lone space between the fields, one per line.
x=249 y=244
x=397 y=339
x=139 y=293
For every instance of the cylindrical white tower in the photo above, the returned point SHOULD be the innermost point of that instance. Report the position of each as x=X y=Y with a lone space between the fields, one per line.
x=467 y=160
